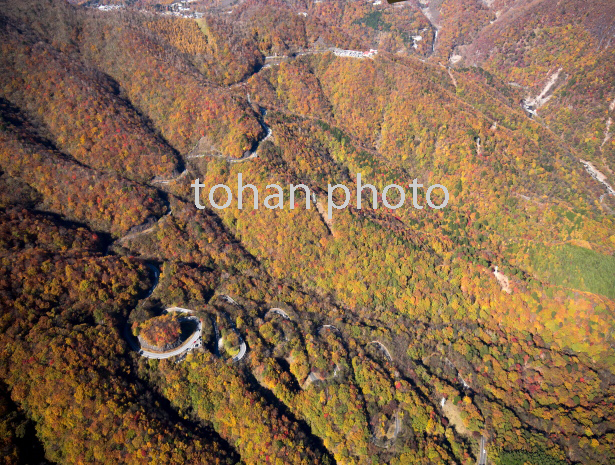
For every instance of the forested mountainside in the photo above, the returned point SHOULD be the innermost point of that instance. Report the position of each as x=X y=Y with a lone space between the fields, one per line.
x=136 y=328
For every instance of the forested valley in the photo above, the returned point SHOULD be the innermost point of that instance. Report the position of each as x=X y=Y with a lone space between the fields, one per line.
x=380 y=336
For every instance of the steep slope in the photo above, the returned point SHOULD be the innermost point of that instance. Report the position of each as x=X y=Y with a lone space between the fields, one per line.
x=380 y=335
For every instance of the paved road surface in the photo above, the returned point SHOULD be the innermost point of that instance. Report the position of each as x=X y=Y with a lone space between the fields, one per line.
x=242 y=351
x=179 y=310
x=188 y=344
x=229 y=299
x=331 y=327
x=247 y=156
x=243 y=348
x=313 y=377
x=278 y=311
x=170 y=180
x=482 y=453
x=385 y=350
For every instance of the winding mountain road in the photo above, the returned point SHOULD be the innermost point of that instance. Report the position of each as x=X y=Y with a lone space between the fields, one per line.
x=329 y=327
x=313 y=378
x=179 y=310
x=249 y=155
x=229 y=299
x=170 y=180
x=188 y=344
x=388 y=442
x=384 y=349
x=336 y=51
x=243 y=348
x=278 y=311
x=185 y=347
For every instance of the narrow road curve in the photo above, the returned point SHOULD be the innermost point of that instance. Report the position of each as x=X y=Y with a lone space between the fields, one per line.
x=313 y=378
x=131 y=235
x=246 y=157
x=278 y=311
x=170 y=180
x=188 y=344
x=330 y=327
x=179 y=310
x=243 y=348
x=249 y=155
x=229 y=299
x=386 y=444
x=384 y=349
